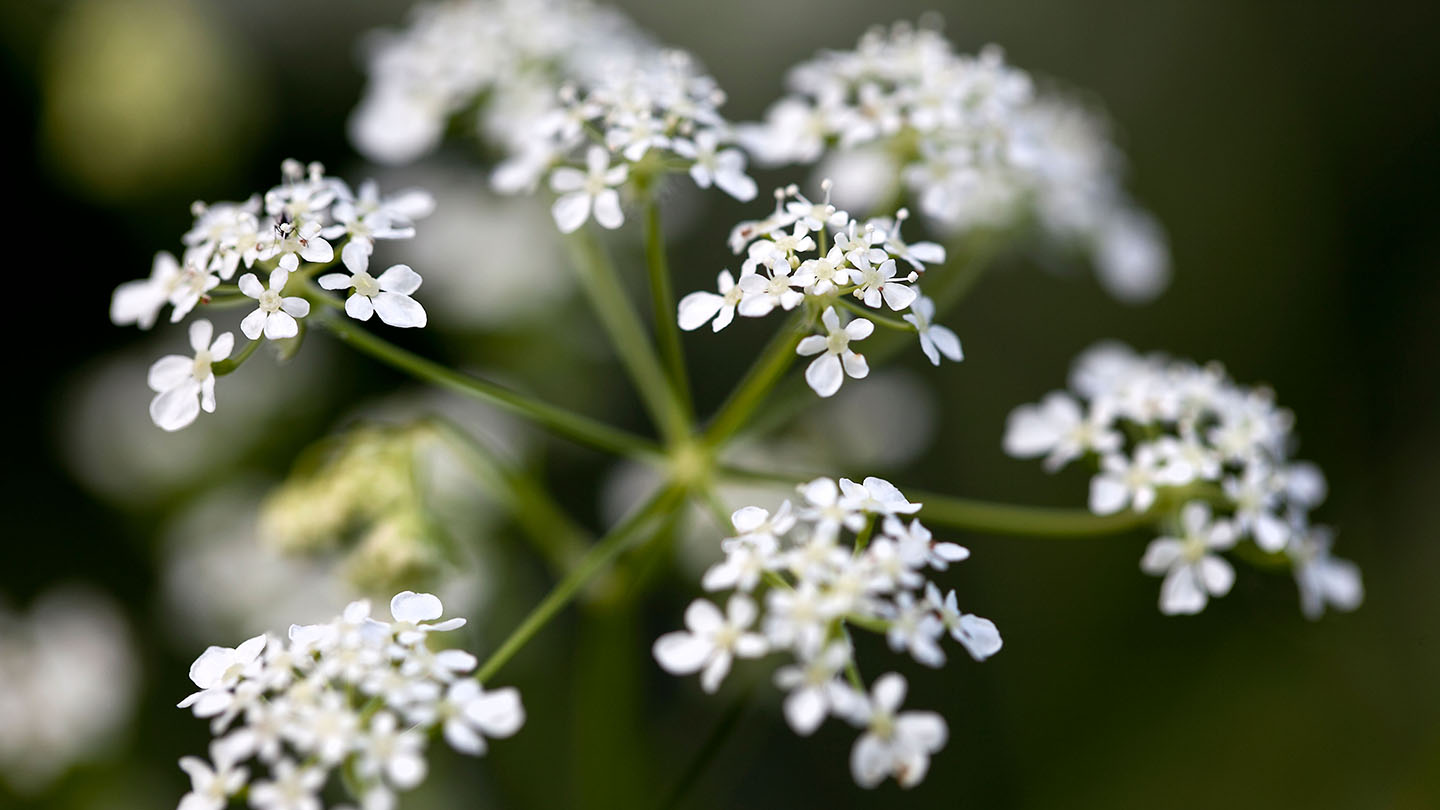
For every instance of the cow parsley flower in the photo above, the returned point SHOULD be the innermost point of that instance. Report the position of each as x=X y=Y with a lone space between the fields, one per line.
x=1203 y=458
x=836 y=359
x=275 y=317
x=387 y=296
x=185 y=386
x=587 y=191
x=971 y=142
x=794 y=575
x=290 y=707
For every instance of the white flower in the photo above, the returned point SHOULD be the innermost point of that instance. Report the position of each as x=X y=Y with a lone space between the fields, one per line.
x=821 y=275
x=812 y=686
x=722 y=167
x=293 y=244
x=186 y=385
x=593 y=189
x=826 y=372
x=894 y=743
x=1256 y=497
x=747 y=558
x=1124 y=482
x=935 y=340
x=1060 y=430
x=829 y=510
x=915 y=628
x=978 y=635
x=398 y=754
x=292 y=788
x=139 y=302
x=275 y=317
x=712 y=642
x=387 y=296
x=874 y=284
x=701 y=307
x=918 y=547
x=761 y=293
x=470 y=714
x=219 y=670
x=918 y=254
x=211 y=788
x=1192 y=572
x=1323 y=579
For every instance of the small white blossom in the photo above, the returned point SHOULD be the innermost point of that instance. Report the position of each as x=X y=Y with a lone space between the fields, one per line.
x=895 y=743
x=387 y=296
x=1193 y=572
x=935 y=340
x=701 y=307
x=712 y=641
x=587 y=191
x=724 y=168
x=275 y=317
x=826 y=372
x=186 y=385
x=1323 y=579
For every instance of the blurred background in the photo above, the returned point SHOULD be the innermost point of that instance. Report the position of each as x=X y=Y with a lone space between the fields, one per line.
x=1289 y=150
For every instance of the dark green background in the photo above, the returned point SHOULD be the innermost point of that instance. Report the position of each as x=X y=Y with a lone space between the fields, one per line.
x=1290 y=149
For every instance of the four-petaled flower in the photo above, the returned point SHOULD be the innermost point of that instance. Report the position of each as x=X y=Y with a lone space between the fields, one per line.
x=894 y=743
x=712 y=642
x=1193 y=572
x=275 y=317
x=826 y=372
x=387 y=296
x=186 y=385
x=593 y=189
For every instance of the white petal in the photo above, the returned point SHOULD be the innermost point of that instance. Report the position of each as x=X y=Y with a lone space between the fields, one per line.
x=1217 y=575
x=947 y=342
x=250 y=285
x=1160 y=555
x=703 y=617
x=812 y=344
x=571 y=211
x=697 y=308
x=607 y=209
x=681 y=653
x=805 y=710
x=408 y=606
x=399 y=310
x=869 y=761
x=297 y=307
x=335 y=281
x=176 y=408
x=1107 y=495
x=1181 y=592
x=280 y=325
x=979 y=636
x=889 y=691
x=223 y=345
x=359 y=307
x=898 y=296
x=399 y=279
x=825 y=375
x=355 y=256
x=169 y=372
x=498 y=713
x=566 y=178
x=859 y=329
x=201 y=331
x=855 y=365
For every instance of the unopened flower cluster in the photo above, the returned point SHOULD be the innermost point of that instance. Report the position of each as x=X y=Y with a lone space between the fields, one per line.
x=298 y=222
x=357 y=695
x=572 y=92
x=1209 y=457
x=847 y=555
x=970 y=140
x=785 y=267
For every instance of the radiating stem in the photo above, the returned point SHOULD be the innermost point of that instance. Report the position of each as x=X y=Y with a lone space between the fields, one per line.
x=229 y=364
x=662 y=299
x=762 y=376
x=875 y=317
x=594 y=563
x=573 y=426
x=621 y=322
x=1026 y=521
x=558 y=538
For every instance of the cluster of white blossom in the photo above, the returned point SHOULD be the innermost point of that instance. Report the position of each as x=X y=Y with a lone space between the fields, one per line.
x=68 y=679
x=1211 y=460
x=797 y=585
x=566 y=90
x=785 y=266
x=299 y=221
x=357 y=694
x=971 y=141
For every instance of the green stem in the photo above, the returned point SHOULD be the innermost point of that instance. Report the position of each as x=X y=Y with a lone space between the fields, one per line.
x=1027 y=521
x=558 y=538
x=229 y=364
x=762 y=376
x=662 y=299
x=607 y=295
x=875 y=317
x=573 y=426
x=595 y=561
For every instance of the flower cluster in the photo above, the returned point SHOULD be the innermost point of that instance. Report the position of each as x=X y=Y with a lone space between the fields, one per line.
x=570 y=91
x=1210 y=459
x=299 y=221
x=787 y=264
x=357 y=694
x=971 y=141
x=797 y=585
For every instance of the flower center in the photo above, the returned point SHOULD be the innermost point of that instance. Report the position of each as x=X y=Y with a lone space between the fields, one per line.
x=202 y=365
x=365 y=284
x=269 y=300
